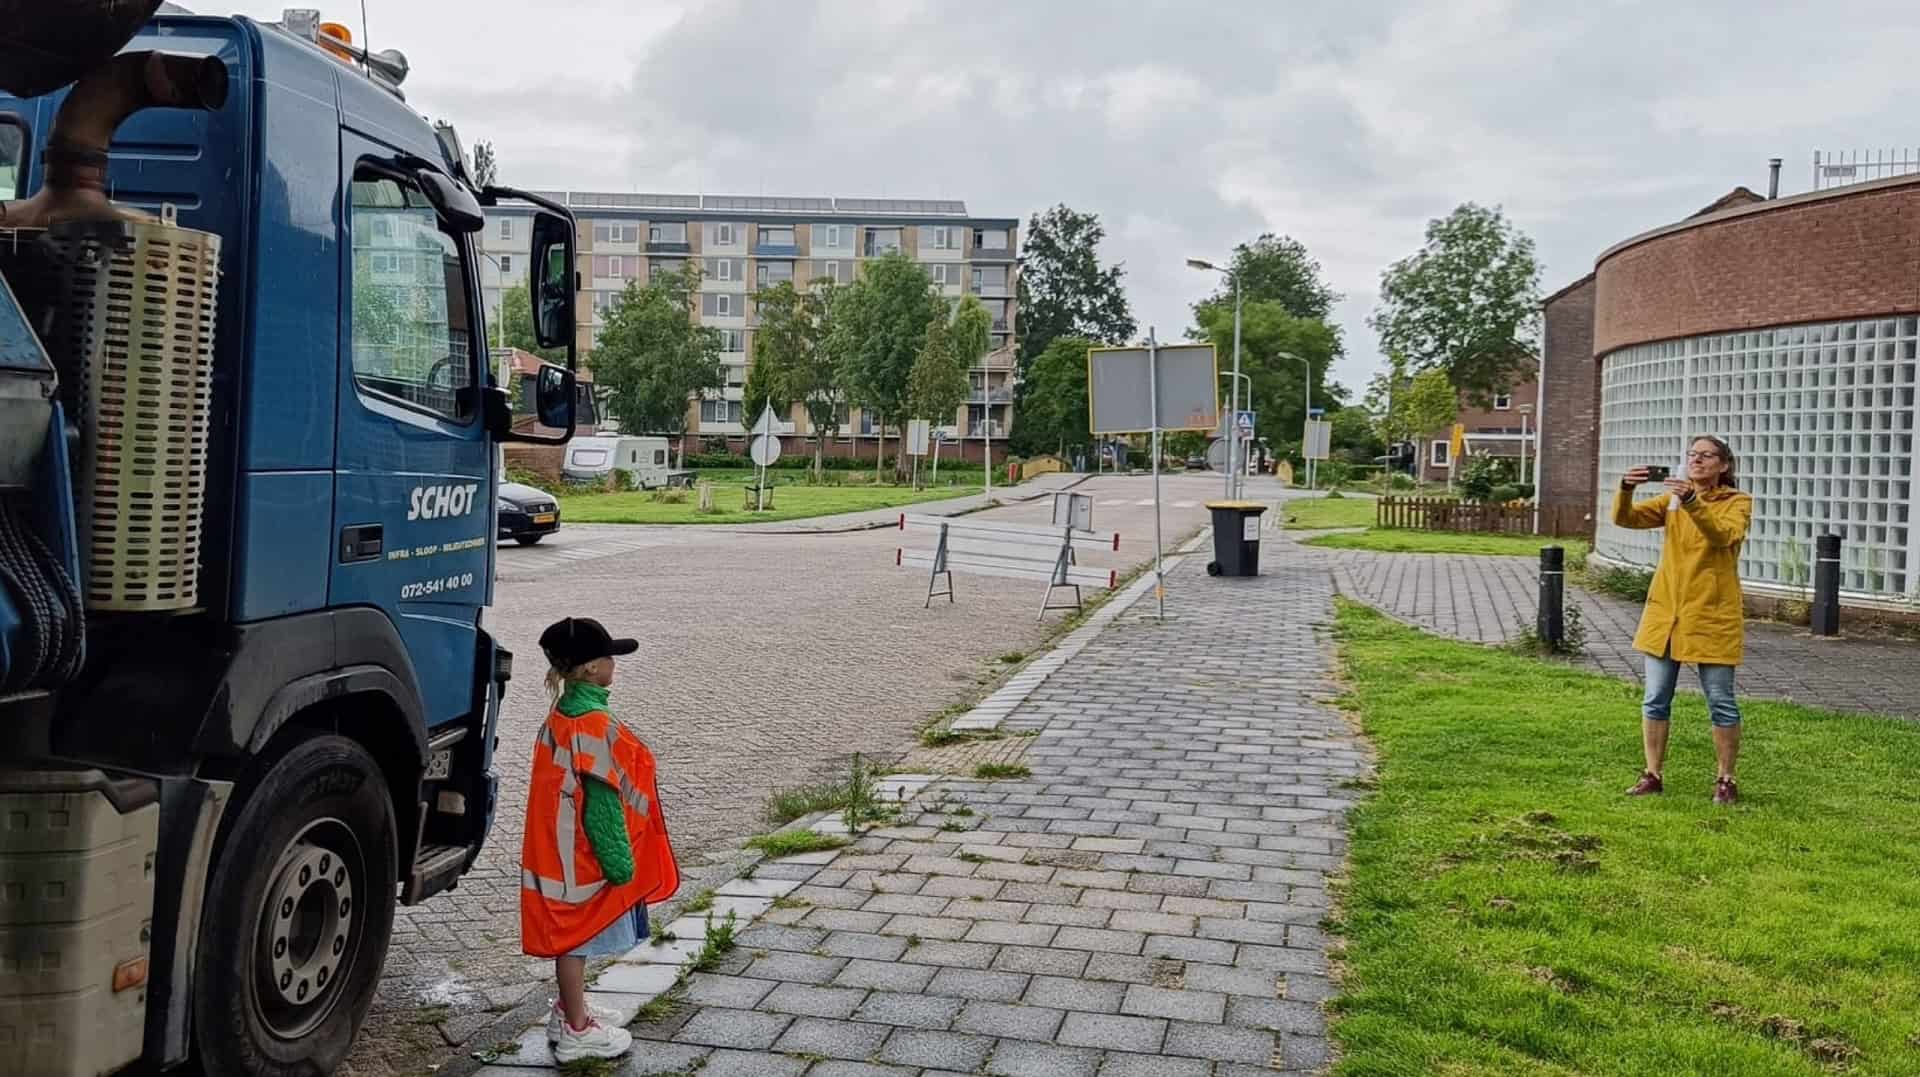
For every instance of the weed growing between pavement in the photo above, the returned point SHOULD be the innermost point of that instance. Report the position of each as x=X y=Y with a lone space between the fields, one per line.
x=1509 y=911
x=700 y=903
x=719 y=942
x=1631 y=584
x=1573 y=636
x=794 y=842
x=994 y=772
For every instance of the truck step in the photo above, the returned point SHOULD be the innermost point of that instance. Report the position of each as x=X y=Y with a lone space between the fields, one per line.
x=437 y=868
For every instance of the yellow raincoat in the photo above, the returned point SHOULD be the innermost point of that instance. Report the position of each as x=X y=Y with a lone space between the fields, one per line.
x=1694 y=604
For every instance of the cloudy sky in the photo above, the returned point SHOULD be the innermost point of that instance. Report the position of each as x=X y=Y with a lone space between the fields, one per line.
x=1188 y=127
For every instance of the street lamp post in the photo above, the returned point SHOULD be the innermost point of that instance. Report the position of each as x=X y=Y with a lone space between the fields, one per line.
x=1233 y=416
x=1305 y=416
x=1525 y=410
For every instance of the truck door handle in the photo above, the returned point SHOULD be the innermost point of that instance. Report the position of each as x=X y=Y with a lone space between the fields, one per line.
x=361 y=543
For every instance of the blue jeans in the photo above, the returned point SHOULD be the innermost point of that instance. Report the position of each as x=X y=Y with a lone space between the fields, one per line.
x=1663 y=675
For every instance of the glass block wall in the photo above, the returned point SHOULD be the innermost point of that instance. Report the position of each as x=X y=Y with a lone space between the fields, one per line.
x=1821 y=418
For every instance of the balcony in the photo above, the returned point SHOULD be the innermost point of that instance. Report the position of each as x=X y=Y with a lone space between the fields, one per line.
x=998 y=395
x=992 y=289
x=776 y=250
x=663 y=247
x=991 y=429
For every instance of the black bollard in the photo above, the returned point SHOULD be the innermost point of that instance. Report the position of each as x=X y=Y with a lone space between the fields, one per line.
x=1552 y=624
x=1825 y=620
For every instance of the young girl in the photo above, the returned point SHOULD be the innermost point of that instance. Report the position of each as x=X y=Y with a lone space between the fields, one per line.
x=596 y=849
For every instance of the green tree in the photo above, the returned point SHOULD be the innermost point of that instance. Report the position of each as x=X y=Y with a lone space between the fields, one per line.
x=1065 y=292
x=516 y=313
x=1354 y=438
x=650 y=358
x=1277 y=388
x=879 y=328
x=486 y=167
x=939 y=383
x=1467 y=303
x=1056 y=411
x=1275 y=269
x=1431 y=404
x=792 y=360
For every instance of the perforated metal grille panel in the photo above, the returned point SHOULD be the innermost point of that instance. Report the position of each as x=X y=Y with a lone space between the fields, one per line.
x=1821 y=418
x=141 y=320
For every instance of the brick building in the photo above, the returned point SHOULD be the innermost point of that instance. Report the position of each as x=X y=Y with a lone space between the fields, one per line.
x=1499 y=429
x=1788 y=327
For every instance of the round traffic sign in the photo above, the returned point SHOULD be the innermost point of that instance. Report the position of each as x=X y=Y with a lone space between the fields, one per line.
x=1217 y=454
x=765 y=450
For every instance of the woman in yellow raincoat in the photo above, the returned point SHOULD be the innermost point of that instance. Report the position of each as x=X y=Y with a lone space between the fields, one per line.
x=1694 y=613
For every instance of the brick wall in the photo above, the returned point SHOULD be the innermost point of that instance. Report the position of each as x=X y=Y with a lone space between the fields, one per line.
x=1850 y=253
x=1570 y=422
x=1480 y=419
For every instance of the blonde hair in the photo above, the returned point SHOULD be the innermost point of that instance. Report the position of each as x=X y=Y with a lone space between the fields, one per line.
x=557 y=679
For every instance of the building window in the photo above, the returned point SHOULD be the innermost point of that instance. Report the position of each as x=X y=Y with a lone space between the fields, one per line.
x=990 y=239
x=768 y=274
x=1503 y=402
x=776 y=235
x=831 y=236
x=989 y=279
x=723 y=269
x=506 y=264
x=940 y=274
x=736 y=375
x=614 y=231
x=942 y=238
x=1442 y=454
x=667 y=232
x=723 y=235
x=881 y=241
x=720 y=411
x=733 y=340
x=506 y=228
x=616 y=267
x=412 y=342
x=830 y=271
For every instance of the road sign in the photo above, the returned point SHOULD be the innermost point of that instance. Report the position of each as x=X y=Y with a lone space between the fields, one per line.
x=1245 y=422
x=1319 y=439
x=1073 y=510
x=765 y=450
x=767 y=425
x=1119 y=399
x=917 y=431
x=1217 y=454
x=1457 y=443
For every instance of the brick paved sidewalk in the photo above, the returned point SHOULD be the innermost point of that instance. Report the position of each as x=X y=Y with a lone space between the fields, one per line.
x=1146 y=902
x=1490 y=599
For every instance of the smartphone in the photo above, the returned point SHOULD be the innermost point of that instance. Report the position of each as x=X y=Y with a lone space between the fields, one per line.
x=1657 y=472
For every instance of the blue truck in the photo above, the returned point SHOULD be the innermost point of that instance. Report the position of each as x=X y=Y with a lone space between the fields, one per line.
x=248 y=462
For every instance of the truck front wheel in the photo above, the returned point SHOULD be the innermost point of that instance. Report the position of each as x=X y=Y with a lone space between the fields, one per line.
x=298 y=914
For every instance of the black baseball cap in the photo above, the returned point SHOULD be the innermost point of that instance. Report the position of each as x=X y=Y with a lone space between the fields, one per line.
x=579 y=640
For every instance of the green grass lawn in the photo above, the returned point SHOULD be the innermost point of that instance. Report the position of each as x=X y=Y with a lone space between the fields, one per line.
x=1400 y=541
x=1509 y=912
x=789 y=503
x=1315 y=513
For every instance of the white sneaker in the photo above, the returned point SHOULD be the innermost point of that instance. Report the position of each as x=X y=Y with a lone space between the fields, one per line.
x=594 y=1041
x=557 y=1019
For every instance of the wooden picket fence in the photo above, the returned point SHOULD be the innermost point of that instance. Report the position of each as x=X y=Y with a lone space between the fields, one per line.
x=1445 y=514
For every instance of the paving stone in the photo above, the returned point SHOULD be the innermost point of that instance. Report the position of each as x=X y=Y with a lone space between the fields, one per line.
x=1063 y=993
x=1251 y=982
x=1182 y=949
x=949 y=886
x=1278 y=1015
x=846 y=920
x=1113 y=1032
x=798 y=968
x=1101 y=941
x=732 y=992
x=926 y=927
x=1126 y=1065
x=1041 y=960
x=776 y=937
x=840 y=1068
x=1155 y=923
x=1009 y=1021
x=1122 y=967
x=1144 y=1000
x=860 y=944
x=750 y=1064
x=967 y=955
x=1069 y=915
x=832 y=1039
x=884 y=975
x=1221 y=1043
x=939 y=1050
x=913 y=904
x=742 y=1029
x=993 y=931
x=909 y=1010
x=809 y=1000
x=1014 y=1058
x=978 y=984
x=622 y=978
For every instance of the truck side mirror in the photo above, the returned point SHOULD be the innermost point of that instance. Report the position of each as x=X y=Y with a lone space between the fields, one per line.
x=552 y=288
x=453 y=202
x=553 y=397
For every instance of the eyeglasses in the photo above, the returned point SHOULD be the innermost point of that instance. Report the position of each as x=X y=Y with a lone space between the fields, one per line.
x=1692 y=456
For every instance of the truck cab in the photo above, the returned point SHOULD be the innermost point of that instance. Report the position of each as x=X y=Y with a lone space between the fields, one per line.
x=238 y=736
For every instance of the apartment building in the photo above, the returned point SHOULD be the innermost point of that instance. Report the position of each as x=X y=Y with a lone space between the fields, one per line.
x=744 y=243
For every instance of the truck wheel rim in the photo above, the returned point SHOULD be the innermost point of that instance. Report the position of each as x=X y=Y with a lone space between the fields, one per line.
x=308 y=927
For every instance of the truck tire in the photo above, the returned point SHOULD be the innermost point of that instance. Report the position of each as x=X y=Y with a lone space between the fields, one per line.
x=298 y=913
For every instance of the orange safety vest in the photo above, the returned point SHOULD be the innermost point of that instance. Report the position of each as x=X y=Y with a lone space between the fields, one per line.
x=564 y=898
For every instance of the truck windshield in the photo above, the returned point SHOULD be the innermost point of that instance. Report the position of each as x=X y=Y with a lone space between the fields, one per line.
x=13 y=156
x=412 y=331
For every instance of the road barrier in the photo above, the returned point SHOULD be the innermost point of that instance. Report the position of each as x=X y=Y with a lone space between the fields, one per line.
x=1015 y=551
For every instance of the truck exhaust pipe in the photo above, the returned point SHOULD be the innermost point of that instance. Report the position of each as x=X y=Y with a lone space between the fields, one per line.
x=76 y=184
